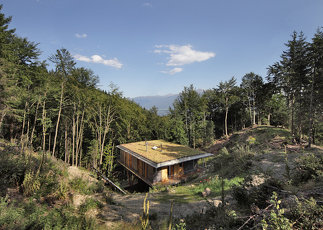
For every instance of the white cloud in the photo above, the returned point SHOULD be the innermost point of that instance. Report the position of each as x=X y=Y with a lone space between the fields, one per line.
x=173 y=71
x=114 y=62
x=183 y=55
x=80 y=35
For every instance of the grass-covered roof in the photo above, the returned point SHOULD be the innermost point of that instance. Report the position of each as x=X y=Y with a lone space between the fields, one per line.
x=165 y=151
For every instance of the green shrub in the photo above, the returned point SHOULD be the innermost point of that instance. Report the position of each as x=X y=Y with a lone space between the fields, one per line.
x=62 y=192
x=214 y=218
x=251 y=140
x=32 y=216
x=224 y=152
x=246 y=194
x=12 y=170
x=81 y=186
x=31 y=183
x=307 y=214
x=180 y=226
x=276 y=220
x=10 y=217
x=90 y=203
x=99 y=187
x=240 y=194
x=309 y=167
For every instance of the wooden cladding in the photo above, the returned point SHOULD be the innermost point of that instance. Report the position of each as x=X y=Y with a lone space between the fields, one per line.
x=137 y=165
x=155 y=175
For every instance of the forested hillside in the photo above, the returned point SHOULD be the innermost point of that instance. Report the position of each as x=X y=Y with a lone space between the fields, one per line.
x=60 y=114
x=62 y=111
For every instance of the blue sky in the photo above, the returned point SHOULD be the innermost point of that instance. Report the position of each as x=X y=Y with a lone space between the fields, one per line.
x=156 y=47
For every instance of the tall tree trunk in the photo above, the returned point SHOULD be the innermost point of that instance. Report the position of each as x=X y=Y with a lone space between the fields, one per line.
x=226 y=119
x=66 y=145
x=194 y=134
x=59 y=116
x=186 y=126
x=23 y=122
x=35 y=121
x=80 y=137
x=254 y=111
x=44 y=135
x=250 y=111
x=106 y=129
x=44 y=126
x=99 y=135
x=22 y=138
x=292 y=117
x=69 y=151
x=95 y=161
x=310 y=131
x=81 y=151
x=3 y=114
x=77 y=142
x=49 y=139
x=28 y=127
x=73 y=136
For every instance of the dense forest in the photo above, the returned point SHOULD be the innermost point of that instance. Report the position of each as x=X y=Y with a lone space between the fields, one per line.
x=62 y=111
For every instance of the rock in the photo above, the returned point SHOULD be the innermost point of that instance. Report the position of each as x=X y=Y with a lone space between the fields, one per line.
x=217 y=203
x=207 y=191
x=257 y=180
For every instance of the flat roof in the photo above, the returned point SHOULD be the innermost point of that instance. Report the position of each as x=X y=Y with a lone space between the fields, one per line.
x=161 y=153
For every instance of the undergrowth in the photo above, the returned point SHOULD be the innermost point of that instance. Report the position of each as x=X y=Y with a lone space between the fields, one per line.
x=45 y=193
x=32 y=216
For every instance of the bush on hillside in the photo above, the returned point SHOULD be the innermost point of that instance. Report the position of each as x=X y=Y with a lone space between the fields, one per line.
x=307 y=214
x=308 y=167
x=12 y=170
x=246 y=194
x=31 y=216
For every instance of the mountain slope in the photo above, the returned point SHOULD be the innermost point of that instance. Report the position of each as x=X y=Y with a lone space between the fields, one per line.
x=161 y=102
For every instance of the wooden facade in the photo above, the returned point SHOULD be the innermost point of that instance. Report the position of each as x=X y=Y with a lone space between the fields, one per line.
x=151 y=175
x=151 y=172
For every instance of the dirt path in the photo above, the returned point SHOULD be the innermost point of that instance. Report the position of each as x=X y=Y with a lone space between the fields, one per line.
x=134 y=204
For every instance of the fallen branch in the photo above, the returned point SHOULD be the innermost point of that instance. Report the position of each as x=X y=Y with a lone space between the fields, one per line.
x=253 y=216
x=109 y=181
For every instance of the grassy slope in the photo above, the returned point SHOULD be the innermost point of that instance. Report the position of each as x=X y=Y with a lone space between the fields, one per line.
x=266 y=160
x=253 y=154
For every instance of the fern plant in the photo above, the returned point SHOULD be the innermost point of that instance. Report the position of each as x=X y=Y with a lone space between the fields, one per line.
x=31 y=183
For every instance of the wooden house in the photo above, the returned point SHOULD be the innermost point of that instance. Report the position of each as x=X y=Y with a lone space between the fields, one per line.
x=159 y=161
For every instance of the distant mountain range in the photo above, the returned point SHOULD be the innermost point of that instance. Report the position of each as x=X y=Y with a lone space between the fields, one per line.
x=161 y=102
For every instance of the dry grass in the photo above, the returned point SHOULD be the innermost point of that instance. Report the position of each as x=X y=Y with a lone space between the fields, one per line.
x=165 y=151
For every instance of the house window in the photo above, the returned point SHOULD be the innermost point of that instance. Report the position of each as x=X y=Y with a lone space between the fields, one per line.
x=170 y=170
